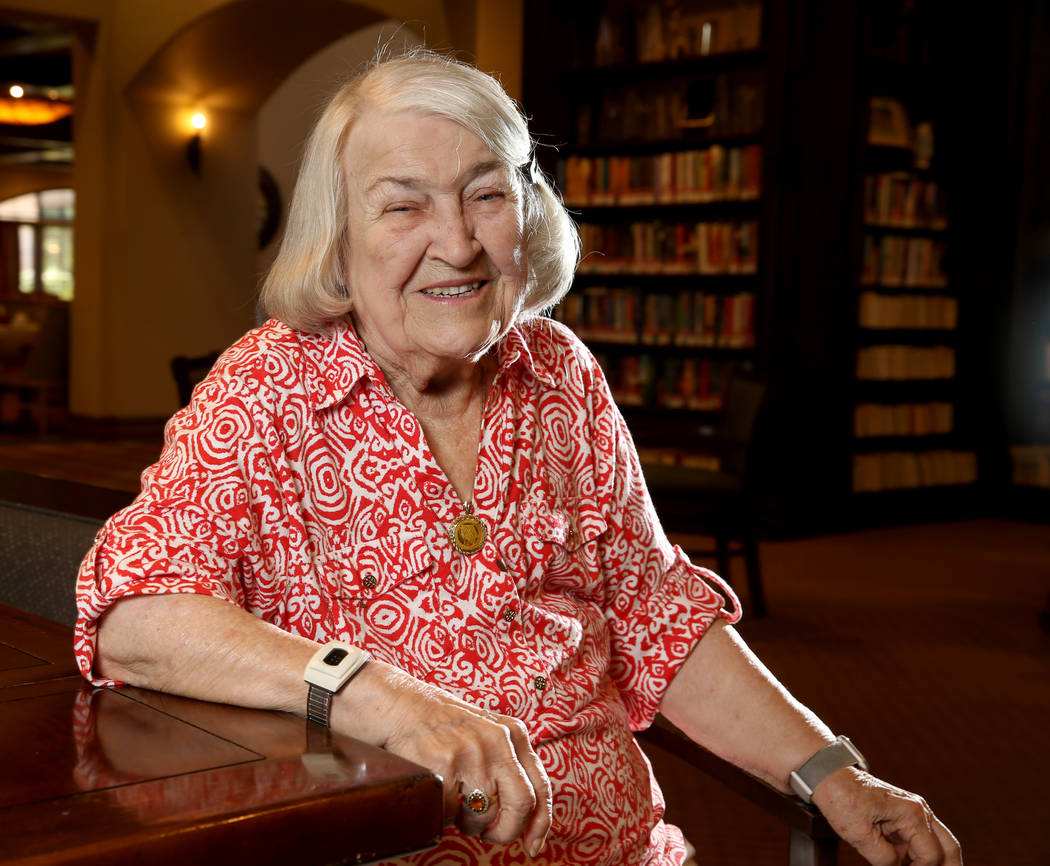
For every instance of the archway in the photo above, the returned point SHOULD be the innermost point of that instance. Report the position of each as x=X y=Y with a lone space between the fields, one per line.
x=183 y=244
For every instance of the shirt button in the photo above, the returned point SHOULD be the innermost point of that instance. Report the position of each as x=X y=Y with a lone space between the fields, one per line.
x=509 y=614
x=540 y=683
x=370 y=581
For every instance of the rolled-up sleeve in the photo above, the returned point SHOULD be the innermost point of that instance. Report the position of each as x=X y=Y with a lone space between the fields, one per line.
x=188 y=528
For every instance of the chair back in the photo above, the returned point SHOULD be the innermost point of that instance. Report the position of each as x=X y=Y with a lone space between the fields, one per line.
x=42 y=551
x=744 y=396
x=48 y=360
x=190 y=371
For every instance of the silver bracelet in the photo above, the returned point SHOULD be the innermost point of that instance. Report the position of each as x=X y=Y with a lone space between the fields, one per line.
x=835 y=756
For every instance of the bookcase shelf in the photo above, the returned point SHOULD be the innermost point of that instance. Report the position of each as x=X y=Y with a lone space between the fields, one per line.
x=686 y=67
x=646 y=147
x=714 y=283
x=918 y=336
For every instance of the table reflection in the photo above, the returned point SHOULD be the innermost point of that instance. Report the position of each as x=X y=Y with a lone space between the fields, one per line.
x=164 y=769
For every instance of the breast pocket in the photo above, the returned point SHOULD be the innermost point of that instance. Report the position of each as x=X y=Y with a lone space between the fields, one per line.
x=386 y=601
x=561 y=541
x=564 y=584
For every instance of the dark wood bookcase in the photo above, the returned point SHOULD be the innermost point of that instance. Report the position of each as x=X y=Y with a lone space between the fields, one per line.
x=658 y=126
x=912 y=432
x=884 y=382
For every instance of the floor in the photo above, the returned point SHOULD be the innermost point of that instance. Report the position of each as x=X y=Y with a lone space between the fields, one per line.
x=922 y=643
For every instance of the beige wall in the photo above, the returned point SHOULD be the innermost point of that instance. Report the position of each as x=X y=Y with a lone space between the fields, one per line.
x=165 y=260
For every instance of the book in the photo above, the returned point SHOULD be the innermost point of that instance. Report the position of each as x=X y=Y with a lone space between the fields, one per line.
x=898 y=470
x=900 y=363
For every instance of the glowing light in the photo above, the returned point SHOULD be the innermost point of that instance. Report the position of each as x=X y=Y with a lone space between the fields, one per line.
x=199 y=121
x=17 y=91
x=32 y=112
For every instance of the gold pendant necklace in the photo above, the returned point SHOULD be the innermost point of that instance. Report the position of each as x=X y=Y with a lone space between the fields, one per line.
x=467 y=533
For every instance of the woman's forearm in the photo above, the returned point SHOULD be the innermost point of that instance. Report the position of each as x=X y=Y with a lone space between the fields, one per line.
x=726 y=700
x=203 y=647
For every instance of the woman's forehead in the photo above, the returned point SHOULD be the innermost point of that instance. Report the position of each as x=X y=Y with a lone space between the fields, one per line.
x=415 y=147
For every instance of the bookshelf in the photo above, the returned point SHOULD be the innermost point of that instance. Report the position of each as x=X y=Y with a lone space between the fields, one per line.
x=857 y=256
x=661 y=125
x=909 y=432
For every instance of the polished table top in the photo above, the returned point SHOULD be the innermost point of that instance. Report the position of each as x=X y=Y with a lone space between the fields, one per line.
x=106 y=776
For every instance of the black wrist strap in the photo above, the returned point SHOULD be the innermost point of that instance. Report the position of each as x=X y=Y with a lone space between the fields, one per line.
x=318 y=705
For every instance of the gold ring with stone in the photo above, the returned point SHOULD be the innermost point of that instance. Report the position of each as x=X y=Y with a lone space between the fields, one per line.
x=478 y=801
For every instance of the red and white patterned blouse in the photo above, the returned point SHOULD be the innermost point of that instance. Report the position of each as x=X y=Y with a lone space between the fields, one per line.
x=298 y=487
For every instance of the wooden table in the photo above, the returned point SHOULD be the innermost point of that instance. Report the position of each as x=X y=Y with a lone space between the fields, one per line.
x=111 y=776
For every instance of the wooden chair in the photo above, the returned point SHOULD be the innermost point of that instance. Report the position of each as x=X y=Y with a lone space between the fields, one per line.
x=811 y=841
x=189 y=371
x=46 y=369
x=718 y=502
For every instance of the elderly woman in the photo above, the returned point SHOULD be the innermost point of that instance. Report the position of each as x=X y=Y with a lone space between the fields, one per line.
x=408 y=508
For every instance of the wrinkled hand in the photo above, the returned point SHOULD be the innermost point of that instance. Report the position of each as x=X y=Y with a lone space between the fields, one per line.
x=887 y=825
x=469 y=748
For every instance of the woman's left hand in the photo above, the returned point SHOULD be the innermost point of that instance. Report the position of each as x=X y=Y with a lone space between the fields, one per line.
x=887 y=825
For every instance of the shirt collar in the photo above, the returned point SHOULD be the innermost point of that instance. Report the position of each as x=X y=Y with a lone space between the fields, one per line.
x=524 y=345
x=335 y=361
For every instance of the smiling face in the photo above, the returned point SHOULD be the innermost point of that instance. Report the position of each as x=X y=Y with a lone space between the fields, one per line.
x=435 y=267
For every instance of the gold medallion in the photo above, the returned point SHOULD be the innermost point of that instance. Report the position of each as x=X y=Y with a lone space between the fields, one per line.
x=467 y=533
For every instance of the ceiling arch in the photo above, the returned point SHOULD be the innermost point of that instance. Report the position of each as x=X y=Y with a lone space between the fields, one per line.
x=233 y=57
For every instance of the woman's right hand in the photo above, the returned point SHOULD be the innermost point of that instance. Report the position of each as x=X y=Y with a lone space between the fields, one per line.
x=469 y=748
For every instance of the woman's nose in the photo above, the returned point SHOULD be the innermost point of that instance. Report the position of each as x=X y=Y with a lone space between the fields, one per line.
x=453 y=240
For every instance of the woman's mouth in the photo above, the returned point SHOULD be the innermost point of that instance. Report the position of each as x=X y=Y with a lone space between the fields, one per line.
x=453 y=291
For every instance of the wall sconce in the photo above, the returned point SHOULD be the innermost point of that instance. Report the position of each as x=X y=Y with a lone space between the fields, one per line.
x=193 y=146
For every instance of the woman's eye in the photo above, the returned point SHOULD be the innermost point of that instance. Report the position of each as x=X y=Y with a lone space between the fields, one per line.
x=489 y=195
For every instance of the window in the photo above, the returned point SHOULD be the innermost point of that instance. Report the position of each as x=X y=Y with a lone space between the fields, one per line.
x=36 y=244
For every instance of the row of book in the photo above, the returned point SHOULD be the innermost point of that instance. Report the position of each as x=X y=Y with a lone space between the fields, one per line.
x=726 y=104
x=713 y=174
x=905 y=362
x=679 y=457
x=661 y=30
x=899 y=470
x=1031 y=465
x=907 y=311
x=902 y=419
x=670 y=248
x=893 y=261
x=668 y=382
x=685 y=318
x=902 y=200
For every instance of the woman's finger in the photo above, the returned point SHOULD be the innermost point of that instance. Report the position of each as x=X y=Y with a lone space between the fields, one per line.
x=478 y=808
x=538 y=826
x=512 y=783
